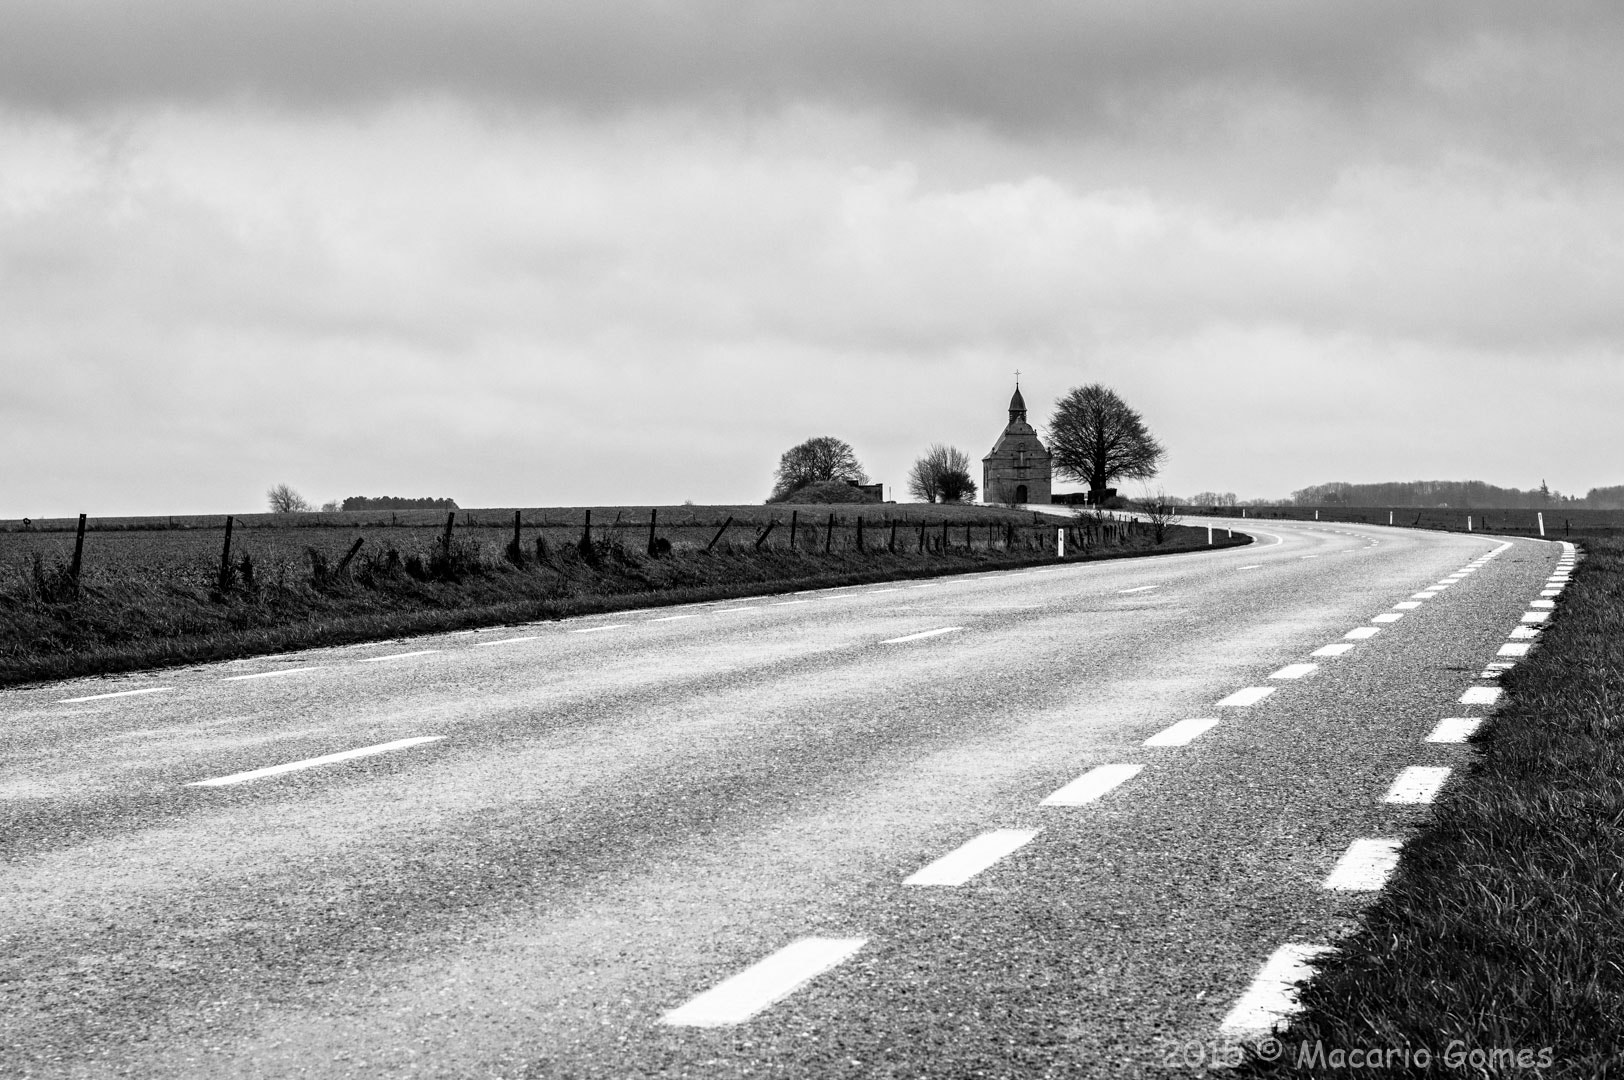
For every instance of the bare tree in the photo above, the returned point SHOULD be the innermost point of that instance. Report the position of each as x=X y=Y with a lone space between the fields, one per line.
x=942 y=475
x=822 y=458
x=1096 y=438
x=1158 y=513
x=284 y=500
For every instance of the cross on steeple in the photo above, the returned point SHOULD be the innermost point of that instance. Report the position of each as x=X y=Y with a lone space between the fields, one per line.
x=1017 y=378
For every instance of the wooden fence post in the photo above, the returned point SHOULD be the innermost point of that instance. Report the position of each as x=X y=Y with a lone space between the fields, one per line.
x=891 y=544
x=79 y=552
x=922 y=536
x=225 y=558
x=969 y=544
x=719 y=532
x=516 y=552
x=445 y=541
x=762 y=538
x=859 y=532
x=344 y=563
x=653 y=520
x=944 y=536
x=794 y=521
x=829 y=536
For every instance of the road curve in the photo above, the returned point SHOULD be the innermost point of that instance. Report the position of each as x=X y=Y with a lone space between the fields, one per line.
x=1048 y=822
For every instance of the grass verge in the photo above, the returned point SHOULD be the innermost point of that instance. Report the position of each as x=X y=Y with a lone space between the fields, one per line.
x=129 y=621
x=1497 y=946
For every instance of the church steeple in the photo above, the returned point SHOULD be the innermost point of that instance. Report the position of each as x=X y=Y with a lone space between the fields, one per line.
x=1017 y=406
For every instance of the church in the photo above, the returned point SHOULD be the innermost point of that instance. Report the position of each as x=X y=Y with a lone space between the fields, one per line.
x=1018 y=469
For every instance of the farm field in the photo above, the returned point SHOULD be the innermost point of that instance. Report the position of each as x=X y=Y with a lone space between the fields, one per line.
x=1559 y=523
x=153 y=592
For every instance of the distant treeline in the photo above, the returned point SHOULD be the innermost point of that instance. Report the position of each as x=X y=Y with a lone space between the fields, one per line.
x=395 y=502
x=1456 y=493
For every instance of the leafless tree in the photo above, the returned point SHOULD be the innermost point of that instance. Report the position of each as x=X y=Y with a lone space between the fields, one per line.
x=284 y=500
x=1158 y=513
x=818 y=459
x=942 y=475
x=1096 y=438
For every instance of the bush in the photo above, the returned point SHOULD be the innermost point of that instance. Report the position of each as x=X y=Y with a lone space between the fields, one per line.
x=828 y=491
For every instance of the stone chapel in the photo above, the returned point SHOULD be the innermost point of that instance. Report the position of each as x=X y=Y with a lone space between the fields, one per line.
x=1017 y=470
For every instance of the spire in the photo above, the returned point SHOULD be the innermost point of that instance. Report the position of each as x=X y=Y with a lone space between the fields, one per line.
x=1017 y=405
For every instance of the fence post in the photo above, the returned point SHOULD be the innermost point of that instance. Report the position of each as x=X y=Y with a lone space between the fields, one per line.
x=794 y=517
x=225 y=558
x=762 y=538
x=79 y=551
x=944 y=536
x=586 y=531
x=653 y=521
x=922 y=536
x=344 y=563
x=829 y=534
x=859 y=532
x=719 y=532
x=891 y=544
x=969 y=543
x=516 y=549
x=445 y=542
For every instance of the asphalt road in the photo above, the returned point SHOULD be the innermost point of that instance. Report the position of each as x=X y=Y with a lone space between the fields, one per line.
x=606 y=820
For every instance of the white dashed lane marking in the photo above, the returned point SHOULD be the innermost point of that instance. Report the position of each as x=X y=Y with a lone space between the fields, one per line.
x=1142 y=588
x=1243 y=698
x=1184 y=732
x=596 y=629
x=1092 y=785
x=1365 y=866
x=506 y=641
x=1406 y=605
x=399 y=656
x=1295 y=671
x=1524 y=632
x=1481 y=695
x=114 y=694
x=1389 y=617
x=971 y=858
x=1454 y=729
x=1361 y=633
x=1417 y=784
x=1535 y=617
x=1515 y=649
x=764 y=983
x=272 y=674
x=1272 y=997
x=1333 y=650
x=921 y=634
x=310 y=763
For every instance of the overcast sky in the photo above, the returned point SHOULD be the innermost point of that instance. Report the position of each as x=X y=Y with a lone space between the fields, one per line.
x=524 y=253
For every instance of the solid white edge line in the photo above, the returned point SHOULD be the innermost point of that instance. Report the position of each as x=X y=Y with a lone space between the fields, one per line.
x=116 y=693
x=595 y=629
x=971 y=857
x=1184 y=732
x=1365 y=866
x=1515 y=649
x=1417 y=784
x=1142 y=588
x=921 y=634
x=764 y=983
x=308 y=763
x=1271 y=999
x=396 y=656
x=1092 y=785
x=507 y=641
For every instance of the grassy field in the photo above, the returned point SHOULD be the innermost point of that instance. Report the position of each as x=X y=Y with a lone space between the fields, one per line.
x=1559 y=523
x=151 y=591
x=1503 y=929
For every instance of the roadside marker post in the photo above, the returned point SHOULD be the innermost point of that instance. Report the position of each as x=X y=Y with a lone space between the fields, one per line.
x=1542 y=523
x=1060 y=542
x=1209 y=535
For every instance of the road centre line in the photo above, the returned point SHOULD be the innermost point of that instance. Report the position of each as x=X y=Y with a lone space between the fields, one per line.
x=1093 y=784
x=1365 y=866
x=116 y=693
x=1389 y=617
x=273 y=674
x=1254 y=566
x=971 y=858
x=1243 y=698
x=1272 y=996
x=1406 y=605
x=595 y=629
x=1417 y=784
x=1333 y=650
x=921 y=634
x=310 y=763
x=1361 y=633
x=787 y=603
x=696 y=614
x=1142 y=588
x=506 y=641
x=1183 y=733
x=764 y=983
x=396 y=656
x=1481 y=695
x=1295 y=671
x=1454 y=729
x=1424 y=595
